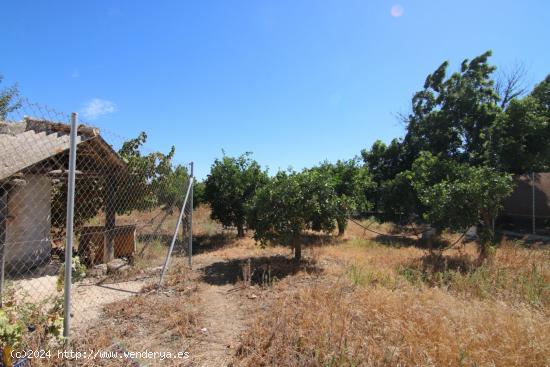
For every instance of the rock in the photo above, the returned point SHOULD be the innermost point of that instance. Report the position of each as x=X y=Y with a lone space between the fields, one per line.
x=98 y=270
x=117 y=266
x=471 y=234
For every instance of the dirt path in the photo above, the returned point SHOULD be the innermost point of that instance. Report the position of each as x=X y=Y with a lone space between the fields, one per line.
x=90 y=299
x=222 y=320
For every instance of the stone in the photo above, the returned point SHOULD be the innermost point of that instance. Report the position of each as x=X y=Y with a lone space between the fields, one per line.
x=471 y=234
x=97 y=270
x=117 y=266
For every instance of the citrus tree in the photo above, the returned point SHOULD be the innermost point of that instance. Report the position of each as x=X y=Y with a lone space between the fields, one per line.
x=232 y=182
x=352 y=184
x=457 y=196
x=291 y=203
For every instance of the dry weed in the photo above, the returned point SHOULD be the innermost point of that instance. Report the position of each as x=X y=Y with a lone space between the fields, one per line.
x=339 y=325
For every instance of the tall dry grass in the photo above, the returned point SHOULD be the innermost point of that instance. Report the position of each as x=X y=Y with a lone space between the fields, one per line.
x=395 y=305
x=339 y=325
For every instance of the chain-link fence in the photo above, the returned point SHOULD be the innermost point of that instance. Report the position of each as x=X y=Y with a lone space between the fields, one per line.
x=115 y=233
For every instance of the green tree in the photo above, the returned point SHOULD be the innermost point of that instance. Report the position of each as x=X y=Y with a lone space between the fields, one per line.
x=383 y=162
x=457 y=196
x=149 y=180
x=352 y=184
x=9 y=100
x=198 y=193
x=520 y=138
x=232 y=182
x=451 y=116
x=290 y=204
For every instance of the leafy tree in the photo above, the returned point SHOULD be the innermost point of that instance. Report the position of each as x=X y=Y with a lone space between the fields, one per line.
x=398 y=199
x=291 y=203
x=9 y=101
x=518 y=140
x=352 y=184
x=384 y=162
x=149 y=181
x=541 y=93
x=463 y=195
x=520 y=137
x=451 y=116
x=198 y=193
x=171 y=187
x=232 y=182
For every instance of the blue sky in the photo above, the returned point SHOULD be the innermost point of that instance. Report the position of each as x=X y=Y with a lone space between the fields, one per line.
x=293 y=81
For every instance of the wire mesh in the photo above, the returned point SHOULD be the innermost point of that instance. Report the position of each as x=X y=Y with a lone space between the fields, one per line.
x=127 y=204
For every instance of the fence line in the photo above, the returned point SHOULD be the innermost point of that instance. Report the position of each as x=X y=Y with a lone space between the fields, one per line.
x=79 y=207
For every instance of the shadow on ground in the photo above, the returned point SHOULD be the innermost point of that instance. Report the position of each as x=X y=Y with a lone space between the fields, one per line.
x=400 y=241
x=437 y=263
x=262 y=269
x=208 y=243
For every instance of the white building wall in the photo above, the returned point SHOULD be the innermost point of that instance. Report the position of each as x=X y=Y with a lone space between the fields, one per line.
x=28 y=224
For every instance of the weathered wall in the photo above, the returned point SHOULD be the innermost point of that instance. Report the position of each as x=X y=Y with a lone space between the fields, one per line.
x=28 y=224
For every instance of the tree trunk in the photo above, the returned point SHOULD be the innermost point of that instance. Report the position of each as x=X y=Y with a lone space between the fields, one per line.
x=485 y=237
x=297 y=250
x=341 y=227
x=240 y=230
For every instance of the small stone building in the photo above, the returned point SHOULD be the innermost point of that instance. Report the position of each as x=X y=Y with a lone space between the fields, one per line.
x=34 y=156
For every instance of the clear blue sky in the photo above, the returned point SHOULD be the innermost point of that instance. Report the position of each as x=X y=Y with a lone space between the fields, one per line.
x=293 y=81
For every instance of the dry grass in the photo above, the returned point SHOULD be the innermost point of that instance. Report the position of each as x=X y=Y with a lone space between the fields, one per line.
x=363 y=300
x=393 y=305
x=150 y=321
x=339 y=325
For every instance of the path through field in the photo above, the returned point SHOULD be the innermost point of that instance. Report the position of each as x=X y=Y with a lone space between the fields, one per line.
x=222 y=320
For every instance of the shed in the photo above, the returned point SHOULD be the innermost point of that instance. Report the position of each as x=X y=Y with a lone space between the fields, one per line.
x=34 y=155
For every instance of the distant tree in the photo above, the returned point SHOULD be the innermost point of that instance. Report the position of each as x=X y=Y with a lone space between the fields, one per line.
x=541 y=93
x=171 y=186
x=457 y=196
x=198 y=193
x=352 y=184
x=232 y=182
x=9 y=100
x=510 y=84
x=149 y=180
x=398 y=199
x=291 y=203
x=383 y=162
x=520 y=138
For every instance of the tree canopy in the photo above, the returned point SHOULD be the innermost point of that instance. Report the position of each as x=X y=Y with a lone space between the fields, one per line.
x=291 y=203
x=231 y=183
x=9 y=100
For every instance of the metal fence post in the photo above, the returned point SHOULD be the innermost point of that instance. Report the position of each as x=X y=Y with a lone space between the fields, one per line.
x=3 y=214
x=533 y=201
x=190 y=246
x=70 y=228
x=167 y=260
